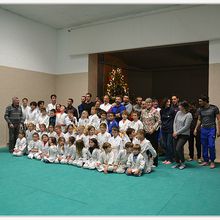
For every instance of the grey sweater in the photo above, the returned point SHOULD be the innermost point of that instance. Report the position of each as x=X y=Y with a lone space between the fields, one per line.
x=182 y=123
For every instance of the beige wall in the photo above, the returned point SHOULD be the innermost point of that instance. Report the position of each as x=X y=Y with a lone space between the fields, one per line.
x=37 y=86
x=71 y=86
x=214 y=91
x=22 y=83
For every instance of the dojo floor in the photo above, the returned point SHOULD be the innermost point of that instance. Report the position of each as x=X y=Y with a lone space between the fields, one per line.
x=31 y=187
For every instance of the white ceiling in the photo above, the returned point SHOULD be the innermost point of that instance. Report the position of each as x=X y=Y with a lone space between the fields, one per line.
x=75 y=16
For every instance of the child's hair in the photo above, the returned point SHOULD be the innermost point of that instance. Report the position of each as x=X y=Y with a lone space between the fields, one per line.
x=141 y=132
x=32 y=124
x=129 y=131
x=70 y=125
x=115 y=129
x=85 y=112
x=63 y=107
x=58 y=126
x=94 y=108
x=35 y=134
x=53 y=110
x=72 y=140
x=43 y=109
x=137 y=147
x=22 y=133
x=25 y=99
x=51 y=126
x=53 y=140
x=40 y=103
x=106 y=145
x=129 y=144
x=95 y=142
x=125 y=113
x=103 y=113
x=33 y=103
x=90 y=127
x=81 y=126
x=70 y=111
x=136 y=112
x=103 y=125
x=43 y=125
x=61 y=139
x=44 y=135
x=111 y=113
x=79 y=146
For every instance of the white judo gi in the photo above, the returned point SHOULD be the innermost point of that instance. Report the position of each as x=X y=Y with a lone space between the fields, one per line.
x=102 y=138
x=116 y=144
x=105 y=159
x=146 y=148
x=51 y=157
x=33 y=145
x=69 y=155
x=138 y=164
x=20 y=147
x=93 y=159
x=81 y=159
x=43 y=151
x=121 y=161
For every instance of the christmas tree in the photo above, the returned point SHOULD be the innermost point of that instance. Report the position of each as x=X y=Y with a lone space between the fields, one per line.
x=116 y=84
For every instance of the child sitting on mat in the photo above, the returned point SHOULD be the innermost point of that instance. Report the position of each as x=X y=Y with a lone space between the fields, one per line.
x=106 y=159
x=136 y=162
x=20 y=146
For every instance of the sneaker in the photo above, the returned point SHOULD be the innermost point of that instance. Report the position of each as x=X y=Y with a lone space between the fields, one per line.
x=190 y=159
x=176 y=166
x=199 y=160
x=212 y=165
x=164 y=162
x=204 y=164
x=168 y=162
x=182 y=166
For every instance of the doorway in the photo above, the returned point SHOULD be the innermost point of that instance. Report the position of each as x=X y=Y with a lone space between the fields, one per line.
x=159 y=72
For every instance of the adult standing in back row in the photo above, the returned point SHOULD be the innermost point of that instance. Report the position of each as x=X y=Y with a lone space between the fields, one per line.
x=14 y=117
x=181 y=133
x=88 y=103
x=207 y=119
x=150 y=118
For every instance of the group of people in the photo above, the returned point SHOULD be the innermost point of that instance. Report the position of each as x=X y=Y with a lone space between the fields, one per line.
x=118 y=137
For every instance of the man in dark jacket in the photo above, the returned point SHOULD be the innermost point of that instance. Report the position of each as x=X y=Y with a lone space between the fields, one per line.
x=14 y=118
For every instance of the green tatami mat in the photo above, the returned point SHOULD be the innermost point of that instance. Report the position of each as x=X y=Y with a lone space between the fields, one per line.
x=31 y=187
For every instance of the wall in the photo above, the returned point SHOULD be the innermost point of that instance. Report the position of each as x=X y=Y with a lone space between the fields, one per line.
x=68 y=63
x=37 y=86
x=26 y=44
x=71 y=86
x=172 y=27
x=214 y=82
x=22 y=83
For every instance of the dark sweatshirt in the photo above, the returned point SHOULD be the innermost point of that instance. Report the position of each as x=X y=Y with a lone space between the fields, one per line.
x=167 y=117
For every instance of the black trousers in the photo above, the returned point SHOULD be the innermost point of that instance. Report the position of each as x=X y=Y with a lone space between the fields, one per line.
x=153 y=138
x=179 y=143
x=13 y=135
x=191 y=141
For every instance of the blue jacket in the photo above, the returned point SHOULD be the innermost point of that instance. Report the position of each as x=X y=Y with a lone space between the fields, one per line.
x=112 y=124
x=118 y=109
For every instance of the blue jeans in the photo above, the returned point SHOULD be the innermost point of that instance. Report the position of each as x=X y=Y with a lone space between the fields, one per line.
x=208 y=136
x=168 y=145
